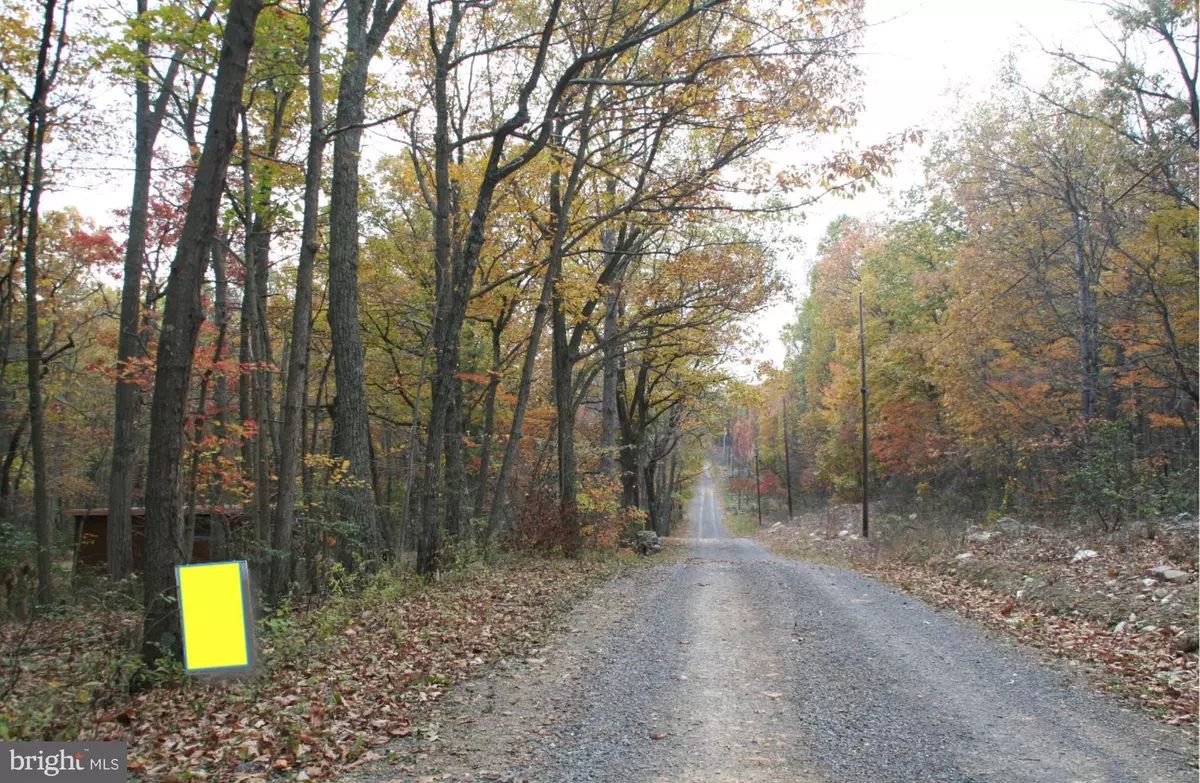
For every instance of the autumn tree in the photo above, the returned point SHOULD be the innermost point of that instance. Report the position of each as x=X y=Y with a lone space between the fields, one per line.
x=177 y=29
x=182 y=316
x=367 y=24
x=44 y=79
x=1023 y=317
x=555 y=92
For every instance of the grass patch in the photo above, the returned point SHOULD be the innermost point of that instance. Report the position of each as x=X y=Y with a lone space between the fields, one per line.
x=740 y=525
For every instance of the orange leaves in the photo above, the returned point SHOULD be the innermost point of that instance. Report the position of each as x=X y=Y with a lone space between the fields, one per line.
x=476 y=378
x=909 y=438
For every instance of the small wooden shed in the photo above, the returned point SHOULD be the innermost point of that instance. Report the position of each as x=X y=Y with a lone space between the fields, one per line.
x=91 y=533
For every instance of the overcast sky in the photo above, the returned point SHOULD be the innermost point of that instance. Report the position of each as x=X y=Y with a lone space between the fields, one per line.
x=916 y=58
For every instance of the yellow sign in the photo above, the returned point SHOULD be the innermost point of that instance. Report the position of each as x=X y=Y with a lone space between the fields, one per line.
x=215 y=613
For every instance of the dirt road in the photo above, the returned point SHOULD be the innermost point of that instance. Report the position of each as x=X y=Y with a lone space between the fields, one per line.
x=737 y=666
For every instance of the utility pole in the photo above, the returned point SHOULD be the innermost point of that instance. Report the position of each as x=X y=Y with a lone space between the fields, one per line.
x=862 y=349
x=787 y=460
x=757 y=486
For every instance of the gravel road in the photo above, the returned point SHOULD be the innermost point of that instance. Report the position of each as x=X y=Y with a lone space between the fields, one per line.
x=738 y=666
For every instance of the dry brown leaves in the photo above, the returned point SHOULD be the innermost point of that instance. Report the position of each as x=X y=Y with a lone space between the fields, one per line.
x=333 y=687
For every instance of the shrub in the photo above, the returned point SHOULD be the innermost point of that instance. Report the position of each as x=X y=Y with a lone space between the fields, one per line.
x=540 y=527
x=1112 y=483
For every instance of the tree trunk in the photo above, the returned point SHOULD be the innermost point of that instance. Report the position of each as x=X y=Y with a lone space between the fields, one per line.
x=181 y=325
x=297 y=372
x=513 y=448
x=14 y=449
x=627 y=457
x=249 y=382
x=410 y=456
x=442 y=335
x=489 y=423
x=386 y=517
x=43 y=525
x=561 y=363
x=1088 y=358
x=315 y=429
x=265 y=377
x=564 y=402
x=127 y=435
x=631 y=432
x=649 y=468
x=669 y=500
x=350 y=429
x=456 y=272
x=221 y=380
x=245 y=360
x=564 y=347
x=201 y=420
x=608 y=394
x=257 y=390
x=262 y=397
x=32 y=183
x=608 y=383
x=455 y=470
x=376 y=481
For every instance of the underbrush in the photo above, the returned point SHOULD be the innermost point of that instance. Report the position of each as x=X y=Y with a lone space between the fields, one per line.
x=602 y=523
x=740 y=525
x=334 y=679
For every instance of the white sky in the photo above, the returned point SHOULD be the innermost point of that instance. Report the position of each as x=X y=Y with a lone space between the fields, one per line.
x=916 y=56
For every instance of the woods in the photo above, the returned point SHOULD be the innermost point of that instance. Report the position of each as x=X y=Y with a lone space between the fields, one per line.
x=1031 y=312
x=499 y=320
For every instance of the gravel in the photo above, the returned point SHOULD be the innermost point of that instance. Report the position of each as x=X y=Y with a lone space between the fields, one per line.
x=736 y=665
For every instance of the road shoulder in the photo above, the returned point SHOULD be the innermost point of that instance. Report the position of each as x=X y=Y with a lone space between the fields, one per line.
x=481 y=730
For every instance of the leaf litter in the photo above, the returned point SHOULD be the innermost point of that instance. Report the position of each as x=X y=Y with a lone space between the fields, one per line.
x=334 y=684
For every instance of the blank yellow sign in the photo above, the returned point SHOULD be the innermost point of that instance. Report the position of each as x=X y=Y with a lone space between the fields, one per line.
x=212 y=606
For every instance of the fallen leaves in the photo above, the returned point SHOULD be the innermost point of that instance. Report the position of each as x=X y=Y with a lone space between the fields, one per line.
x=336 y=682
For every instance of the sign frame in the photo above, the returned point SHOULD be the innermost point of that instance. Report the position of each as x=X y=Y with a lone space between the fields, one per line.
x=248 y=623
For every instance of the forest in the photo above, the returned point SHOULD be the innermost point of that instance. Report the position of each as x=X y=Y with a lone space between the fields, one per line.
x=1029 y=314
x=401 y=285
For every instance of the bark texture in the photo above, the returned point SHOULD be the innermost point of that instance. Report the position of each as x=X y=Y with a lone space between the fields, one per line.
x=296 y=382
x=366 y=26
x=180 y=327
